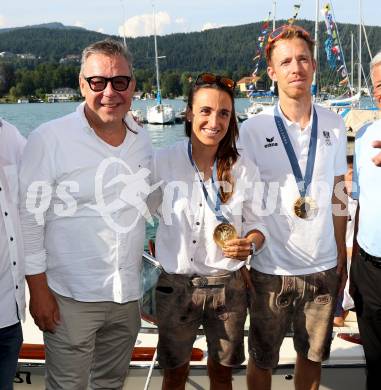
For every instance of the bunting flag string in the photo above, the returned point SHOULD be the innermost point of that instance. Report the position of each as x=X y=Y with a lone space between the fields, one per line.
x=332 y=48
x=296 y=12
x=260 y=45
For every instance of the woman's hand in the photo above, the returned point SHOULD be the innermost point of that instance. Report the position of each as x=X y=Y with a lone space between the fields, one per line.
x=238 y=249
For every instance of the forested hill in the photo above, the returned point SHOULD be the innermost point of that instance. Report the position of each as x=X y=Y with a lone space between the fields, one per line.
x=228 y=49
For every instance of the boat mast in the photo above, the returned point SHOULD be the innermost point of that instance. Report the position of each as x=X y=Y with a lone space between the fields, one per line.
x=158 y=97
x=124 y=23
x=272 y=88
x=314 y=81
x=360 y=61
x=352 y=62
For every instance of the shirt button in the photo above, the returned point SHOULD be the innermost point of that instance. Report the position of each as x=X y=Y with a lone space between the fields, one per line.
x=17 y=286
x=192 y=259
x=5 y=213
x=197 y=223
x=200 y=204
x=194 y=241
x=11 y=238
x=14 y=263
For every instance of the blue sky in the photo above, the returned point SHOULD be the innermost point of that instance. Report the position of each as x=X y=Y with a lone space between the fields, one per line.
x=108 y=16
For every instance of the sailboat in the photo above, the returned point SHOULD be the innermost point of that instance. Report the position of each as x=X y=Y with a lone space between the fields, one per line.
x=160 y=113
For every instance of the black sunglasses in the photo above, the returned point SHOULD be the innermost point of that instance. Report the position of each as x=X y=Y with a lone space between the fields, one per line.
x=210 y=78
x=99 y=83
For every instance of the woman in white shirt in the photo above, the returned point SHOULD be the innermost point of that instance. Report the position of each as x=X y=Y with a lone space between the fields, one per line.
x=207 y=229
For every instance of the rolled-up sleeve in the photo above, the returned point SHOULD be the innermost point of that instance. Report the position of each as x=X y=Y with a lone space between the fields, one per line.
x=36 y=184
x=252 y=205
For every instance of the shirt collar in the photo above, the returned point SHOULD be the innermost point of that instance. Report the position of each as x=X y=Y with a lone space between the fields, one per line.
x=132 y=126
x=290 y=123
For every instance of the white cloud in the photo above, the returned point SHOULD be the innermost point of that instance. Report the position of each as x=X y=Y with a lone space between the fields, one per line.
x=78 y=23
x=142 y=25
x=180 y=21
x=210 y=25
x=101 y=30
x=2 y=21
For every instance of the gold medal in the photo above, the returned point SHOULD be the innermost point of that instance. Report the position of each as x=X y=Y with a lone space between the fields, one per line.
x=224 y=232
x=305 y=207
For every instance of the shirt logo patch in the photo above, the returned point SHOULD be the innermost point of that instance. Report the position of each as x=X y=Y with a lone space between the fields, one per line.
x=270 y=142
x=327 y=138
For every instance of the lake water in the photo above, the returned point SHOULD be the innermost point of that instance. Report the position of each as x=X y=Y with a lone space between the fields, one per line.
x=27 y=117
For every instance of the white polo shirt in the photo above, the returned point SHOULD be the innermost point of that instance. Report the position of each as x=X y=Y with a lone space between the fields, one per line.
x=12 y=283
x=184 y=238
x=89 y=235
x=296 y=246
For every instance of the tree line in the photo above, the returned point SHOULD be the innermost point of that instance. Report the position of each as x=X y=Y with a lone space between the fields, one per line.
x=227 y=50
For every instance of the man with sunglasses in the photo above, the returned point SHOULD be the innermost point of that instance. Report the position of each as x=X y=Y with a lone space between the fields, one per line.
x=300 y=150
x=83 y=238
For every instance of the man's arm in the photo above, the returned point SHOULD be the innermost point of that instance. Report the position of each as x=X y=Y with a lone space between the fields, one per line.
x=377 y=159
x=42 y=304
x=340 y=216
x=356 y=248
x=35 y=168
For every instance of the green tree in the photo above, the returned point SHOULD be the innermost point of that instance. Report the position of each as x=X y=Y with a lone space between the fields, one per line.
x=186 y=81
x=170 y=84
x=7 y=77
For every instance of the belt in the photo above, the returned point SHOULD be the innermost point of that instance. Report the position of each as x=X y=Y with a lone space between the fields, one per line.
x=376 y=261
x=206 y=281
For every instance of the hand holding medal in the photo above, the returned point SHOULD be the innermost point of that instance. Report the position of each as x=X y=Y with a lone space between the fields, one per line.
x=239 y=248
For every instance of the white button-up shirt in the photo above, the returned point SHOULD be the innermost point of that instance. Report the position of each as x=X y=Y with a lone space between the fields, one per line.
x=296 y=246
x=184 y=238
x=12 y=284
x=81 y=208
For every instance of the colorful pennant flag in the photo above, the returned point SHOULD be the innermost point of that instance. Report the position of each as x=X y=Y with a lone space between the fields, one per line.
x=332 y=48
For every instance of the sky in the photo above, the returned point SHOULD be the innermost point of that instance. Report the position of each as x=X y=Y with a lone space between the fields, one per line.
x=134 y=17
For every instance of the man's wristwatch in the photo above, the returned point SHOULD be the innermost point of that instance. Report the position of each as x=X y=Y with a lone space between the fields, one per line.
x=253 y=248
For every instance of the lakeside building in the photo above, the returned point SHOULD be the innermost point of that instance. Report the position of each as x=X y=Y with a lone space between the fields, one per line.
x=247 y=84
x=6 y=54
x=62 y=95
x=71 y=59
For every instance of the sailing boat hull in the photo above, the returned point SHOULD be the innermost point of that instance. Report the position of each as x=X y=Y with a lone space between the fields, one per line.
x=161 y=114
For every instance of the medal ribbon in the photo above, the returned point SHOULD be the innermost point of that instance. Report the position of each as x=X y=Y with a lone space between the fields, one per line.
x=217 y=207
x=303 y=183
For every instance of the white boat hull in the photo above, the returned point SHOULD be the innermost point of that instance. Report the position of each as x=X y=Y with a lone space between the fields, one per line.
x=161 y=114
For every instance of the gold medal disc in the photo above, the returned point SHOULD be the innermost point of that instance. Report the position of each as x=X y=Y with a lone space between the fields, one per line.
x=224 y=232
x=305 y=207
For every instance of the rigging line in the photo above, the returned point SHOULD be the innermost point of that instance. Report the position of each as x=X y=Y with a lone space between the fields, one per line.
x=341 y=49
x=365 y=77
x=366 y=39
